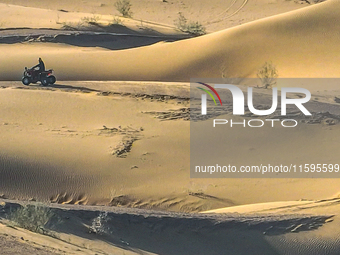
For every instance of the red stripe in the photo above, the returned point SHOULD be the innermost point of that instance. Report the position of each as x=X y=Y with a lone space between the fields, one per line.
x=212 y=89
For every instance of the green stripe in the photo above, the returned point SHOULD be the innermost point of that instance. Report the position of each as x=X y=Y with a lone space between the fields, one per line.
x=206 y=91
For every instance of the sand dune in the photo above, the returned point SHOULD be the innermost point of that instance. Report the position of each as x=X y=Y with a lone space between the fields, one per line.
x=291 y=41
x=215 y=14
x=131 y=231
x=39 y=18
x=75 y=141
x=110 y=140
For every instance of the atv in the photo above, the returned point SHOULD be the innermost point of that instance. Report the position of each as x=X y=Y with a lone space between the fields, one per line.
x=33 y=76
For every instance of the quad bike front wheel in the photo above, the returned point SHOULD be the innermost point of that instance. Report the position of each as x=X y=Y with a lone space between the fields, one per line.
x=44 y=81
x=26 y=81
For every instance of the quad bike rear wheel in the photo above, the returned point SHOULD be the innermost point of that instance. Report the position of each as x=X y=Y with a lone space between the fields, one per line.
x=26 y=81
x=51 y=79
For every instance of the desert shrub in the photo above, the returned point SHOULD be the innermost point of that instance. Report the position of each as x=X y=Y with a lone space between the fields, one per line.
x=73 y=26
x=91 y=20
x=31 y=217
x=313 y=1
x=116 y=21
x=124 y=8
x=192 y=27
x=85 y=24
x=98 y=224
x=195 y=28
x=181 y=22
x=267 y=75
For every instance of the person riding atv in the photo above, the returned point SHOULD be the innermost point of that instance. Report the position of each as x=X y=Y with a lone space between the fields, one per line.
x=41 y=65
x=38 y=73
x=41 y=68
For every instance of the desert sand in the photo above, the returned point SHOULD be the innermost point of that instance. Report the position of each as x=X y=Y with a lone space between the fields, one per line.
x=236 y=52
x=111 y=139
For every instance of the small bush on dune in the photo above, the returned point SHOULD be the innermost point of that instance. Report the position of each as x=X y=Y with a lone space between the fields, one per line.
x=116 y=21
x=192 y=27
x=195 y=28
x=124 y=8
x=85 y=24
x=31 y=217
x=98 y=224
x=267 y=75
x=91 y=20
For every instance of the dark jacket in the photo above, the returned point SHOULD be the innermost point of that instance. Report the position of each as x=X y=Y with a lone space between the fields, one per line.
x=41 y=66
